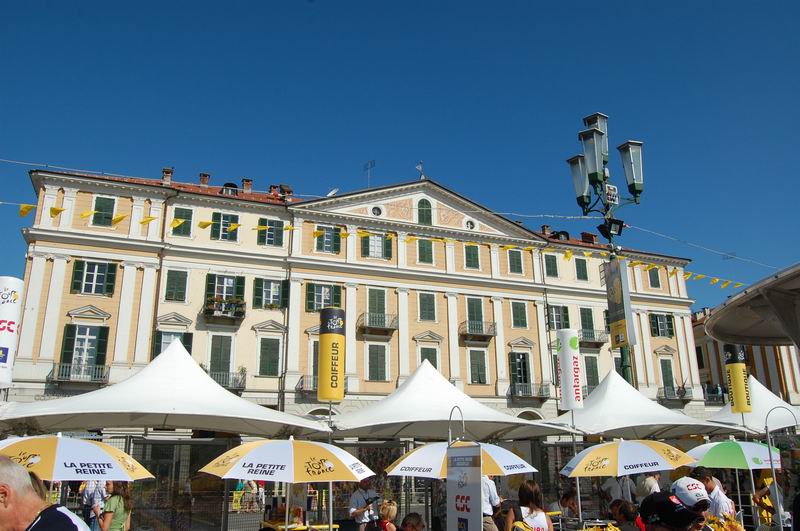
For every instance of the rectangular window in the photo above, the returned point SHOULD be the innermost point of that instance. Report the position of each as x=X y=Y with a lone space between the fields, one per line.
x=228 y=229
x=472 y=257
x=666 y=373
x=558 y=317
x=475 y=315
x=185 y=228
x=618 y=365
x=428 y=353
x=592 y=373
x=427 y=307
x=581 y=272
x=176 y=286
x=550 y=265
x=103 y=211
x=520 y=371
x=269 y=357
x=701 y=361
x=266 y=293
x=376 y=301
x=519 y=315
x=477 y=367
x=662 y=325
x=515 y=261
x=375 y=246
x=270 y=232
x=93 y=278
x=319 y=296
x=163 y=339
x=328 y=239
x=377 y=362
x=655 y=278
x=587 y=319
x=606 y=323
x=425 y=251
x=220 y=362
x=83 y=353
x=225 y=287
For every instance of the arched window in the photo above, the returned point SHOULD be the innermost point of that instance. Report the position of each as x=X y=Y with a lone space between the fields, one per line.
x=424 y=216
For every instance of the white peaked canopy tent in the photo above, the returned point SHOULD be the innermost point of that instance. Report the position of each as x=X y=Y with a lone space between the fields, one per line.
x=172 y=391
x=617 y=409
x=421 y=408
x=762 y=400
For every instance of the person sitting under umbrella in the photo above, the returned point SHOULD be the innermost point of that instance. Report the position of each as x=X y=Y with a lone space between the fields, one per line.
x=721 y=505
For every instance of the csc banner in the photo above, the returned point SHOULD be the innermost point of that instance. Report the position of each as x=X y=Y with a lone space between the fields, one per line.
x=10 y=314
x=331 y=370
x=464 y=490
x=570 y=375
x=738 y=385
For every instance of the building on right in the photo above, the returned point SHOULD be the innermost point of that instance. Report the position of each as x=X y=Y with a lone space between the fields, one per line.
x=776 y=367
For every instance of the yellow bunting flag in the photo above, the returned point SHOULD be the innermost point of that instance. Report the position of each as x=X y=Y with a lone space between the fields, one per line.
x=725 y=284
x=548 y=249
x=687 y=275
x=568 y=254
x=344 y=234
x=25 y=209
x=147 y=219
x=650 y=266
x=260 y=227
x=714 y=280
x=233 y=226
x=699 y=276
x=389 y=236
x=363 y=233
x=317 y=233
x=529 y=248
x=604 y=253
x=289 y=227
x=204 y=224
x=635 y=263
x=587 y=254
x=116 y=219
x=411 y=239
x=738 y=285
x=673 y=272
x=55 y=211
x=88 y=213
x=176 y=223
x=507 y=247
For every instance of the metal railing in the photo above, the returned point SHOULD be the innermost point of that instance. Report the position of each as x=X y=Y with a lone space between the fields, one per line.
x=385 y=321
x=588 y=389
x=588 y=335
x=230 y=380
x=80 y=372
x=224 y=309
x=674 y=393
x=478 y=328
x=714 y=399
x=533 y=390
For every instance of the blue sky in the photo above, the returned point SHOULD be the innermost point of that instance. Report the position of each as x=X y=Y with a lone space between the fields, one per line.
x=489 y=94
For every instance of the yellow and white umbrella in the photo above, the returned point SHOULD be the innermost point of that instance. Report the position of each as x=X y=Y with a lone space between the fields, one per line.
x=57 y=458
x=289 y=461
x=625 y=458
x=430 y=461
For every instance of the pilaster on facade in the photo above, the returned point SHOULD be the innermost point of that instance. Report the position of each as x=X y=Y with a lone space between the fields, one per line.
x=351 y=243
x=144 y=324
x=48 y=202
x=30 y=312
x=154 y=228
x=536 y=264
x=544 y=344
x=351 y=319
x=53 y=311
x=402 y=256
x=450 y=257
x=494 y=258
x=688 y=339
x=297 y=237
x=137 y=214
x=120 y=367
x=452 y=340
x=500 y=347
x=642 y=323
x=293 y=337
x=68 y=204
x=404 y=360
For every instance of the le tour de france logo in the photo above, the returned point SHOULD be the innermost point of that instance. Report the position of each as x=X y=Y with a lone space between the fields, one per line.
x=335 y=323
x=8 y=296
x=317 y=466
x=26 y=459
x=598 y=463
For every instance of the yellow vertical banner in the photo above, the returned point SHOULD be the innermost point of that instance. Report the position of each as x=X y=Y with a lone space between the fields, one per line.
x=331 y=368
x=738 y=386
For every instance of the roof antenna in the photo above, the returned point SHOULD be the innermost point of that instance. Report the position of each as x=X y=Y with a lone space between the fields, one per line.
x=332 y=192
x=368 y=166
x=422 y=176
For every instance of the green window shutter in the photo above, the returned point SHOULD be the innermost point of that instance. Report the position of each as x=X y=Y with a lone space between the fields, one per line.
x=169 y=291
x=513 y=367
x=278 y=229
x=670 y=326
x=186 y=340
x=309 y=297
x=336 y=297
x=185 y=228
x=655 y=279
x=262 y=233
x=580 y=269
x=428 y=353
x=233 y=236
x=550 y=265
x=514 y=261
x=427 y=307
x=78 y=269
x=592 y=376
x=285 y=293
x=68 y=346
x=337 y=240
x=518 y=316
x=477 y=367
x=239 y=288
x=258 y=293
x=587 y=319
x=424 y=212
x=365 y=246
x=211 y=284
x=425 y=251
x=180 y=287
x=471 y=256
x=104 y=211
x=216 y=225
x=157 y=335
x=653 y=325
x=102 y=346
x=565 y=316
x=320 y=240
x=605 y=321
x=377 y=363
x=111 y=278
x=387 y=247
x=269 y=357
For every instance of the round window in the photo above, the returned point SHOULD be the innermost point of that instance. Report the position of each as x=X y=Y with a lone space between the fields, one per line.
x=376 y=211
x=470 y=224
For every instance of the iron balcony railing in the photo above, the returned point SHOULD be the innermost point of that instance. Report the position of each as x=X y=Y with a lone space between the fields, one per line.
x=308 y=383
x=588 y=389
x=224 y=309
x=80 y=372
x=714 y=399
x=230 y=380
x=478 y=328
x=533 y=390
x=587 y=335
x=383 y=321
x=674 y=393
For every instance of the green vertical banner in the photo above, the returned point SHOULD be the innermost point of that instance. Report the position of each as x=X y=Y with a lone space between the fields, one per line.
x=738 y=386
x=331 y=370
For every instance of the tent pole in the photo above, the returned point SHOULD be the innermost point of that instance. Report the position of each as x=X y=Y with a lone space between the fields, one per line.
x=286 y=504
x=577 y=479
x=330 y=483
x=739 y=495
x=756 y=516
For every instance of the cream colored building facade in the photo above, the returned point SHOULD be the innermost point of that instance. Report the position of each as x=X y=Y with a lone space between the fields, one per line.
x=421 y=271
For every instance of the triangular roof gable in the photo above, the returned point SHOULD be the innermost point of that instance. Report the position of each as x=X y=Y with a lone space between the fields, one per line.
x=451 y=210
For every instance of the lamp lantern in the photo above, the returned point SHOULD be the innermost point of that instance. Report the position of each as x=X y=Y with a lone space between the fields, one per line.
x=592 y=140
x=631 y=154
x=580 y=180
x=599 y=120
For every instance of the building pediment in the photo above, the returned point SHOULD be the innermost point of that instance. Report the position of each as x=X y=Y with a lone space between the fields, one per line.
x=89 y=312
x=173 y=319
x=521 y=342
x=313 y=330
x=270 y=326
x=428 y=336
x=665 y=350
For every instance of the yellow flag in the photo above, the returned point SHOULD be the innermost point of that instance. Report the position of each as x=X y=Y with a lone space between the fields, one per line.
x=568 y=254
x=547 y=249
x=699 y=276
x=204 y=224
x=344 y=234
x=620 y=257
x=507 y=247
x=363 y=233
x=634 y=263
x=88 y=213
x=233 y=226
x=411 y=239
x=317 y=233
x=587 y=254
x=389 y=236
x=687 y=275
x=116 y=219
x=738 y=285
x=725 y=284
x=673 y=272
x=604 y=253
x=528 y=248
x=147 y=219
x=650 y=266
x=54 y=211
x=25 y=209
x=176 y=223
x=260 y=227
x=714 y=280
x=289 y=227
x=438 y=240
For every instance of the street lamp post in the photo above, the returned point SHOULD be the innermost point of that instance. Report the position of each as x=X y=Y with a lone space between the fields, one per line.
x=590 y=177
x=778 y=494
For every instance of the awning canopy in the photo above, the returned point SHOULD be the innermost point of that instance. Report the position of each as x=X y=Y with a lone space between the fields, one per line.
x=172 y=391
x=766 y=313
x=617 y=409
x=762 y=400
x=421 y=408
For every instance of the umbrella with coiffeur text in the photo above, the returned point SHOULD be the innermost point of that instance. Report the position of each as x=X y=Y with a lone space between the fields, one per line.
x=430 y=461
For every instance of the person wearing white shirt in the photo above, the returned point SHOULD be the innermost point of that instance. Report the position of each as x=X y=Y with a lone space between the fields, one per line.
x=489 y=502
x=619 y=488
x=647 y=484
x=362 y=504
x=721 y=505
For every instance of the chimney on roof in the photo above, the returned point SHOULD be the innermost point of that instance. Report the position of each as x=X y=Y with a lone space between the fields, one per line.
x=247 y=185
x=166 y=175
x=546 y=230
x=286 y=190
x=588 y=237
x=274 y=190
x=204 y=180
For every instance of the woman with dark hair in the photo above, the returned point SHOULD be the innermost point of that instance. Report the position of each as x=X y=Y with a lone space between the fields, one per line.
x=531 y=509
x=117 y=509
x=625 y=515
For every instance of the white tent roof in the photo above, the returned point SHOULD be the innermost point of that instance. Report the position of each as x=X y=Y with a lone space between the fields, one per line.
x=617 y=409
x=421 y=407
x=762 y=400
x=172 y=391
